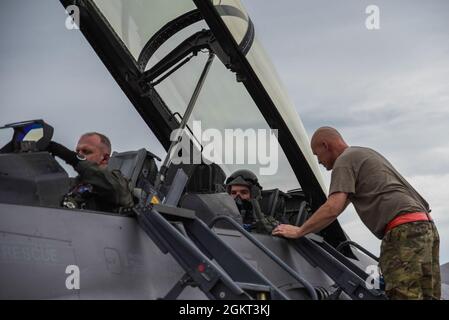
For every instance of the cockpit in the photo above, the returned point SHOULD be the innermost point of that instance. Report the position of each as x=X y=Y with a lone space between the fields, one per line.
x=212 y=99
x=31 y=176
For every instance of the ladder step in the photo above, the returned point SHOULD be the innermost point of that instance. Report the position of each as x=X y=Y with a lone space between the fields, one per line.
x=217 y=282
x=254 y=287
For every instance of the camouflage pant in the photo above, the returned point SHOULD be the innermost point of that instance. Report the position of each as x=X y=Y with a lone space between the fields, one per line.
x=409 y=261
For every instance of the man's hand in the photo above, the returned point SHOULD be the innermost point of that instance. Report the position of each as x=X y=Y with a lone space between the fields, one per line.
x=324 y=216
x=288 y=231
x=265 y=225
x=58 y=150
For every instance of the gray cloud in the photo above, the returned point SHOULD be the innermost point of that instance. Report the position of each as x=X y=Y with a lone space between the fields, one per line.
x=387 y=89
x=50 y=72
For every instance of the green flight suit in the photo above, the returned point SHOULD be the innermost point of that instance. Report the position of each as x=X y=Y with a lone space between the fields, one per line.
x=98 y=189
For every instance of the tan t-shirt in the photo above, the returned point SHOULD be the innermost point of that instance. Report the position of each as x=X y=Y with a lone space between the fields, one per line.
x=377 y=191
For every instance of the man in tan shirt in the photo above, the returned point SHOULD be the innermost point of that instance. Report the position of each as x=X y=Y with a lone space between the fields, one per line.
x=389 y=207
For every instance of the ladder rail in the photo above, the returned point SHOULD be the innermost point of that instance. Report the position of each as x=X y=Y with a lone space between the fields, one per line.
x=271 y=255
x=212 y=281
x=344 y=260
x=214 y=247
x=351 y=283
x=356 y=245
x=195 y=257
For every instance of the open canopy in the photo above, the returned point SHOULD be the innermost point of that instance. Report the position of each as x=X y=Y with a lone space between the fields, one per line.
x=157 y=51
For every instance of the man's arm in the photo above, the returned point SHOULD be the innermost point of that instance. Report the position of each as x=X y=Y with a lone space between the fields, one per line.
x=109 y=185
x=60 y=151
x=323 y=217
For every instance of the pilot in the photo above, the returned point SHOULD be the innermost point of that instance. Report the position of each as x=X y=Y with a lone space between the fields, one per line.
x=244 y=187
x=95 y=187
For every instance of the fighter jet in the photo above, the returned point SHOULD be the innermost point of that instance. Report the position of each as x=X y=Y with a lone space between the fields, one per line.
x=179 y=63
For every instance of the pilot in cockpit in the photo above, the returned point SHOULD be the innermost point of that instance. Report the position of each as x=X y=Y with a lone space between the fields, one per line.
x=244 y=187
x=95 y=187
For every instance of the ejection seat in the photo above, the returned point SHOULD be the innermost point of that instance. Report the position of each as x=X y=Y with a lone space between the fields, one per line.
x=139 y=167
x=205 y=192
x=272 y=203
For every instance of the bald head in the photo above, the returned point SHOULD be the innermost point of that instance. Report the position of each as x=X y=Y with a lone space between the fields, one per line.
x=327 y=144
x=326 y=133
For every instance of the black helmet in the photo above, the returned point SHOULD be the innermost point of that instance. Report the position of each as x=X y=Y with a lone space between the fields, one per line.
x=245 y=178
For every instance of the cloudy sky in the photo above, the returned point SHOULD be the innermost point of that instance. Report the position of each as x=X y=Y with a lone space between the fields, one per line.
x=387 y=89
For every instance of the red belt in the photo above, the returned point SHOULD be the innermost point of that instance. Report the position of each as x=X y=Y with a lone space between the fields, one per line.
x=406 y=218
